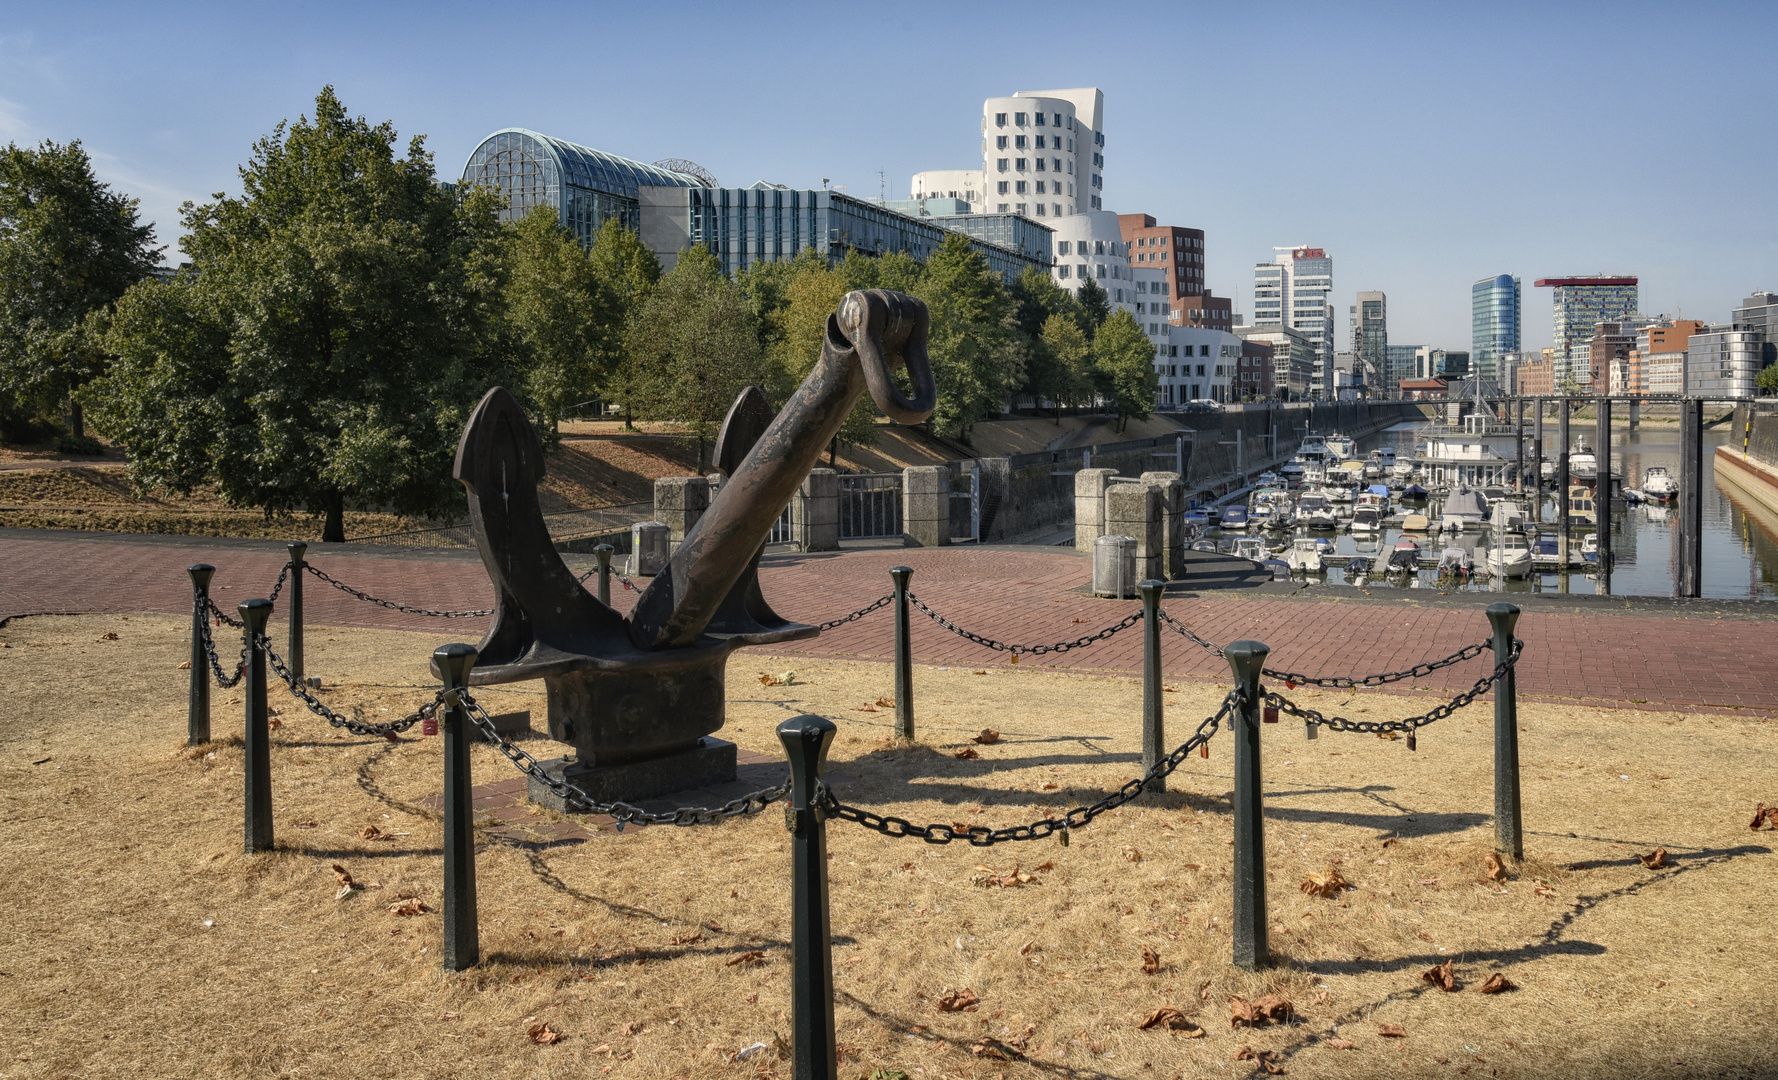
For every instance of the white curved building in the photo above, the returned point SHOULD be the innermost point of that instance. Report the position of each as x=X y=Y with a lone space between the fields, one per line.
x=1043 y=155
x=1091 y=245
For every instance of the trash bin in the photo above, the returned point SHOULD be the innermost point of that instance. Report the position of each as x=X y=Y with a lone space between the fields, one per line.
x=1114 y=566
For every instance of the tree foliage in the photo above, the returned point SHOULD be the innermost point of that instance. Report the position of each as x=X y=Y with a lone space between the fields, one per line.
x=974 y=344
x=1767 y=379
x=1069 y=355
x=69 y=247
x=1124 y=360
x=563 y=311
x=630 y=271
x=1095 y=305
x=693 y=346
x=343 y=316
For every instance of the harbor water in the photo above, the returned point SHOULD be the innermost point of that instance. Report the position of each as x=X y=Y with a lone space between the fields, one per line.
x=1740 y=537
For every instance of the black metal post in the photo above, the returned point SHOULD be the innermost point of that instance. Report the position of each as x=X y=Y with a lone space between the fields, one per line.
x=812 y=1054
x=1602 y=493
x=255 y=614
x=1537 y=457
x=1509 y=827
x=294 y=658
x=197 y=716
x=461 y=948
x=1246 y=658
x=1519 y=441
x=1154 y=738
x=1562 y=491
x=904 y=660
x=602 y=552
x=1691 y=497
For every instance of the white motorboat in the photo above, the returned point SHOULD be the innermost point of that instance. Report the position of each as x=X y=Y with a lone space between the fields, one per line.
x=1589 y=547
x=1305 y=554
x=1314 y=473
x=1455 y=561
x=1367 y=519
x=1508 y=515
x=1316 y=511
x=1583 y=464
x=1464 y=509
x=1250 y=547
x=1342 y=446
x=1510 y=555
x=1658 y=483
x=1401 y=472
x=1269 y=479
x=1292 y=471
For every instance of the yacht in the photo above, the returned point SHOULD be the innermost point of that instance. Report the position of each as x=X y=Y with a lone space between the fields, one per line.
x=1416 y=523
x=1251 y=549
x=1405 y=556
x=1455 y=562
x=1269 y=479
x=1341 y=446
x=1305 y=554
x=1658 y=483
x=1589 y=547
x=1401 y=472
x=1292 y=471
x=1367 y=519
x=1580 y=505
x=1464 y=509
x=1510 y=555
x=1414 y=493
x=1373 y=468
x=1583 y=464
x=1234 y=518
x=1314 y=510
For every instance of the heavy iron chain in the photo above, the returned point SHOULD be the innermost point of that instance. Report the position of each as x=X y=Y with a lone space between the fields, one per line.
x=278 y=586
x=1412 y=723
x=859 y=614
x=1035 y=650
x=393 y=605
x=357 y=727
x=618 y=574
x=580 y=802
x=225 y=681
x=223 y=617
x=1341 y=682
x=1079 y=817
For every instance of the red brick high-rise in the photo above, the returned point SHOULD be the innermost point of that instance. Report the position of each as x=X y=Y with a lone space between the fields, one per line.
x=1179 y=254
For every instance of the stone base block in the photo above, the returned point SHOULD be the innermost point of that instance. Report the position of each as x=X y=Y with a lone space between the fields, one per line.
x=510 y=724
x=709 y=763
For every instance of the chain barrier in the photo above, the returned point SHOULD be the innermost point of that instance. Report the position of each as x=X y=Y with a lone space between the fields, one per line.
x=579 y=801
x=859 y=614
x=225 y=681
x=357 y=727
x=1412 y=723
x=1341 y=682
x=1035 y=650
x=222 y=617
x=393 y=605
x=278 y=586
x=1079 y=817
x=618 y=574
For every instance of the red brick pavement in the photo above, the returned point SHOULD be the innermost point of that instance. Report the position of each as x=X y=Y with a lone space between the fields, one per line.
x=1028 y=596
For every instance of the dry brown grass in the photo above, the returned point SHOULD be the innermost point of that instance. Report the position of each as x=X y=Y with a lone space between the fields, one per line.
x=142 y=942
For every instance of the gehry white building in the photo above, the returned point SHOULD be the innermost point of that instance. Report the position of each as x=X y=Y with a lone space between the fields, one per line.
x=1043 y=155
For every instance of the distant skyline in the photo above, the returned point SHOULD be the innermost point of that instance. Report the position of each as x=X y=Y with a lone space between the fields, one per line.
x=1424 y=147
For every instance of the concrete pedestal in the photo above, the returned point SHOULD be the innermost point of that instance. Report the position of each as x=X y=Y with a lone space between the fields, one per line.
x=1089 y=506
x=926 y=506
x=679 y=502
x=709 y=763
x=815 y=511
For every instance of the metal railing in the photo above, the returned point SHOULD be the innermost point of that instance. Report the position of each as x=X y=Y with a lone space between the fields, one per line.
x=870 y=506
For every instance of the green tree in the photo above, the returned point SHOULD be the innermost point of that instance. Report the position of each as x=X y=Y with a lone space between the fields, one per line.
x=1767 y=379
x=1038 y=299
x=1066 y=344
x=630 y=271
x=974 y=346
x=563 y=311
x=1124 y=360
x=342 y=319
x=767 y=288
x=811 y=297
x=1095 y=306
x=69 y=247
x=895 y=270
x=693 y=346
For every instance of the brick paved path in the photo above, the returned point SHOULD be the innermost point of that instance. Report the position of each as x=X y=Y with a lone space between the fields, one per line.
x=1648 y=659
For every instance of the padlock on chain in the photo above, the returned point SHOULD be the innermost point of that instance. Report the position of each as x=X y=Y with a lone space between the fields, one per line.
x=429 y=725
x=1311 y=730
x=1269 y=715
x=1413 y=743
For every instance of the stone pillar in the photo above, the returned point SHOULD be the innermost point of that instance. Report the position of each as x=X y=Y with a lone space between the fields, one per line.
x=649 y=547
x=999 y=517
x=815 y=511
x=1134 y=510
x=679 y=501
x=926 y=506
x=1172 y=488
x=1089 y=506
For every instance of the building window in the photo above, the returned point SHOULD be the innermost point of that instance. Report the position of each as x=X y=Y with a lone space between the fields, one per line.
x=1020 y=186
x=1019 y=208
x=1000 y=164
x=1200 y=372
x=1040 y=190
x=1018 y=119
x=999 y=119
x=1056 y=209
x=1040 y=138
x=1063 y=247
x=1098 y=139
x=1018 y=142
x=1056 y=164
x=1062 y=272
x=1203 y=350
x=1071 y=189
x=1000 y=142
x=1040 y=164
x=1039 y=119
x=1101 y=269
x=1002 y=187
x=1039 y=209
x=1018 y=164
x=1001 y=208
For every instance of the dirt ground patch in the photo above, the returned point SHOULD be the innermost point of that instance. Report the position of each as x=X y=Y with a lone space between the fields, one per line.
x=142 y=942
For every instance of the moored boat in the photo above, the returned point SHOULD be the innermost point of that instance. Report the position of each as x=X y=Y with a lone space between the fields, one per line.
x=1658 y=483
x=1405 y=556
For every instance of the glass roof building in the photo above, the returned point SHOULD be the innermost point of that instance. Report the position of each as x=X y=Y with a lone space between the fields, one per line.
x=584 y=186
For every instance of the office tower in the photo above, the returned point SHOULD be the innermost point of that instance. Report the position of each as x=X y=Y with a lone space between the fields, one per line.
x=1399 y=365
x=1293 y=291
x=1370 y=340
x=1494 y=326
x=1581 y=304
x=1178 y=254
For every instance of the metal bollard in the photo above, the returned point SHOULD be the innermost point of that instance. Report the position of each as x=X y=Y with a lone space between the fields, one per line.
x=1154 y=739
x=603 y=552
x=813 y=1057
x=258 y=750
x=197 y=717
x=1246 y=658
x=904 y=660
x=294 y=657
x=461 y=948
x=1509 y=829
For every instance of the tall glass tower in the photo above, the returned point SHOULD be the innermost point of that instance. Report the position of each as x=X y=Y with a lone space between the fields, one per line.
x=1581 y=304
x=1494 y=327
x=1294 y=290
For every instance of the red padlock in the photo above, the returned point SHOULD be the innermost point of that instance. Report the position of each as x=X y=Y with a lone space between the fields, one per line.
x=1270 y=715
x=1204 y=750
x=429 y=725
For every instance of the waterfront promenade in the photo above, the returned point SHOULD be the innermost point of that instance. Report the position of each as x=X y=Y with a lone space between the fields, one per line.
x=1703 y=656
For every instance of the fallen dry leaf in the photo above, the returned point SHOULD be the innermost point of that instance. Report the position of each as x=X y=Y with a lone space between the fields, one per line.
x=988 y=737
x=342 y=875
x=1266 y=1059
x=1168 y=1018
x=371 y=832
x=1045 y=866
x=1392 y=1031
x=1442 y=977
x=1027 y=947
x=867 y=708
x=1324 y=885
x=1388 y=840
x=1496 y=869
x=630 y=1028
x=1271 y=1008
x=785 y=679
x=990 y=878
x=1542 y=888
x=1341 y=1044
x=958 y=1001
x=690 y=939
x=885 y=703
x=1654 y=860
x=109 y=635
x=1764 y=817
x=966 y=754
x=185 y=665
x=752 y=956
x=1496 y=983
x=1132 y=855
x=993 y=1049
x=543 y=1034
x=1151 y=961
x=411 y=906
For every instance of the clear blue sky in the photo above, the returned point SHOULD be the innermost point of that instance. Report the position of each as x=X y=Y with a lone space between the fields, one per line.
x=1423 y=145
